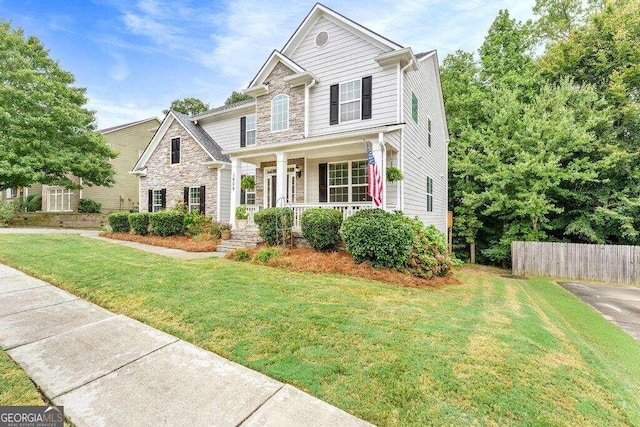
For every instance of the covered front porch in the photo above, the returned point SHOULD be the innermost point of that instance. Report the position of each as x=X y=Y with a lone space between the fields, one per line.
x=329 y=173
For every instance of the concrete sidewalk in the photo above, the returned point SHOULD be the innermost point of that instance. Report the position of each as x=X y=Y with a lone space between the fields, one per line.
x=110 y=370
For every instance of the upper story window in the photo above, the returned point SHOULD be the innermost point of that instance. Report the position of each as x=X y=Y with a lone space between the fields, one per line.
x=429 y=131
x=350 y=101
x=251 y=129
x=280 y=113
x=429 y=194
x=175 y=151
x=414 y=107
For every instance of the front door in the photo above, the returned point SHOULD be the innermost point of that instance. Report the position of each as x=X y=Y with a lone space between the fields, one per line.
x=270 y=189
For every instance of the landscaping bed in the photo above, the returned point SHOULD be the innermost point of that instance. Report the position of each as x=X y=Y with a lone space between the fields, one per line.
x=175 y=242
x=340 y=262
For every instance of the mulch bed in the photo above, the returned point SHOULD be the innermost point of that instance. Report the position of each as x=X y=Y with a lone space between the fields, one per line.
x=310 y=261
x=175 y=242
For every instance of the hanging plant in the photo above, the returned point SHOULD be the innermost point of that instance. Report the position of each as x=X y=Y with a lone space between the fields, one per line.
x=248 y=182
x=393 y=174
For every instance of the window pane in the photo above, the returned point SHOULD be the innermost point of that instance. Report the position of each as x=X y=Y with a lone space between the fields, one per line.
x=251 y=137
x=359 y=172
x=339 y=194
x=350 y=91
x=280 y=113
x=359 y=194
x=339 y=174
x=251 y=198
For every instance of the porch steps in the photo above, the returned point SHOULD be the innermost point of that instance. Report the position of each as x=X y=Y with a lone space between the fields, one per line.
x=247 y=238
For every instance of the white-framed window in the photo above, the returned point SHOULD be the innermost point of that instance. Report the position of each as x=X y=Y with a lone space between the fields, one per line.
x=11 y=193
x=280 y=113
x=429 y=194
x=60 y=199
x=350 y=100
x=251 y=129
x=194 y=199
x=157 y=200
x=348 y=182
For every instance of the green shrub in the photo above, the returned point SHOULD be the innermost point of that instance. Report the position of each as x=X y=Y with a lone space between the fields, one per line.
x=428 y=257
x=201 y=227
x=34 y=202
x=381 y=238
x=241 y=212
x=274 y=224
x=19 y=204
x=166 y=223
x=241 y=254
x=89 y=206
x=6 y=211
x=266 y=254
x=139 y=223
x=119 y=222
x=321 y=228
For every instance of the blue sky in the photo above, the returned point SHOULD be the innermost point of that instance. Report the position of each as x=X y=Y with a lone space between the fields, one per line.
x=136 y=56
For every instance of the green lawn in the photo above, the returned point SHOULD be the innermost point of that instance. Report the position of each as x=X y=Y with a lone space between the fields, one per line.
x=490 y=351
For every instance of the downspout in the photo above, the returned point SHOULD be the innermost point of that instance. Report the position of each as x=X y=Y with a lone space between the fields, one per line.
x=401 y=192
x=401 y=96
x=306 y=106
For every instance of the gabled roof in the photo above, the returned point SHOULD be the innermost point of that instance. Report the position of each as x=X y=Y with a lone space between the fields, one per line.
x=208 y=144
x=270 y=64
x=126 y=125
x=224 y=109
x=424 y=54
x=321 y=10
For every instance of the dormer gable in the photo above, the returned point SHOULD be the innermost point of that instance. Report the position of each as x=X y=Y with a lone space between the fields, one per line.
x=299 y=75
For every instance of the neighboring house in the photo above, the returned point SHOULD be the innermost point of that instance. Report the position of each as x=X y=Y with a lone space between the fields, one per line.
x=335 y=86
x=11 y=194
x=129 y=140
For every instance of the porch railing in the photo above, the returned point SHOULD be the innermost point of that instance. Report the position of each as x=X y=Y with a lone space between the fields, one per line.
x=251 y=209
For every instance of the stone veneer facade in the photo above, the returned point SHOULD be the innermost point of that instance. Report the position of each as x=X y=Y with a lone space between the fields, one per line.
x=278 y=86
x=190 y=172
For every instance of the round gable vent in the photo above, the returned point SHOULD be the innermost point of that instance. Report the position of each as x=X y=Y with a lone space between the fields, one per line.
x=322 y=38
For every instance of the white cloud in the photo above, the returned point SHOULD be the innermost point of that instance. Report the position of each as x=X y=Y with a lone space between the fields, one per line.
x=119 y=70
x=114 y=113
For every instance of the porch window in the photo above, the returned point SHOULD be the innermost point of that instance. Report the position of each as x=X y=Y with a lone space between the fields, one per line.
x=280 y=113
x=157 y=200
x=350 y=100
x=348 y=182
x=60 y=199
x=251 y=129
x=194 y=199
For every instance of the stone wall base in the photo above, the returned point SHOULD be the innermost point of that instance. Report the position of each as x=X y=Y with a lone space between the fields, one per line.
x=59 y=220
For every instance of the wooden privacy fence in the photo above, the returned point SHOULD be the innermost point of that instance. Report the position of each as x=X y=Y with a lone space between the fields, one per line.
x=602 y=263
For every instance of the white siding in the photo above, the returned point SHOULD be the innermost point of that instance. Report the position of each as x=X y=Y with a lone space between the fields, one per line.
x=225 y=195
x=345 y=57
x=225 y=131
x=420 y=160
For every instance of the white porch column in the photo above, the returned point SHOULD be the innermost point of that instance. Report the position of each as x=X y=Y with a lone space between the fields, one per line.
x=281 y=179
x=236 y=174
x=379 y=152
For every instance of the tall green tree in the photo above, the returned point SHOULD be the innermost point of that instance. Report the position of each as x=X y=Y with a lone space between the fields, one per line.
x=190 y=106
x=46 y=134
x=236 y=97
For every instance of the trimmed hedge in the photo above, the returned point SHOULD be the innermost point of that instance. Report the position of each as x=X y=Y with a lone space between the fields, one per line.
x=89 y=206
x=119 y=222
x=139 y=223
x=34 y=202
x=321 y=228
x=381 y=238
x=166 y=223
x=274 y=224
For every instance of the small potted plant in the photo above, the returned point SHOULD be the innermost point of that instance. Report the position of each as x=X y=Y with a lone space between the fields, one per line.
x=241 y=217
x=225 y=231
x=393 y=174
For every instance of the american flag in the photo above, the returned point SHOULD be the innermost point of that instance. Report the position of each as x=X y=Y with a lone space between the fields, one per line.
x=374 y=188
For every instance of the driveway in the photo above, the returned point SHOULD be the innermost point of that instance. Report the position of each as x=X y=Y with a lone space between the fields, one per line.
x=621 y=305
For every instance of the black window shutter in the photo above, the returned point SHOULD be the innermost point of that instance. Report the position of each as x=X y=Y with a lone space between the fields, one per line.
x=322 y=189
x=175 y=150
x=334 y=93
x=243 y=131
x=163 y=197
x=243 y=197
x=366 y=97
x=202 y=200
x=150 y=202
x=186 y=197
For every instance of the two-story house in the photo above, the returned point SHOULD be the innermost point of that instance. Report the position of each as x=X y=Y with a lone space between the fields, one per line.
x=334 y=87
